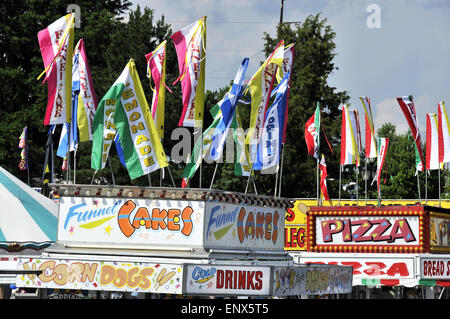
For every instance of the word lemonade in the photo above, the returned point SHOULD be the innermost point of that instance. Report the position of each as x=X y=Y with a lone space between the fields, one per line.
x=137 y=126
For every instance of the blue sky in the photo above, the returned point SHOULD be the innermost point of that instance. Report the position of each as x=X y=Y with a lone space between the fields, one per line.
x=408 y=54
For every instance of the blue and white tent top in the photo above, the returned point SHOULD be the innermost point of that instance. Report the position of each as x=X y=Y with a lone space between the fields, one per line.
x=27 y=218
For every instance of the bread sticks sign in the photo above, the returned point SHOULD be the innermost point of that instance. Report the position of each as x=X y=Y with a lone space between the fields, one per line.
x=130 y=221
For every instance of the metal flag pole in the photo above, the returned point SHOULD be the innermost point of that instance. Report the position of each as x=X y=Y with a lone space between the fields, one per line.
x=365 y=181
x=418 y=185
x=112 y=173
x=357 y=188
x=214 y=175
x=317 y=182
x=426 y=186
x=281 y=169
x=340 y=175
x=439 y=185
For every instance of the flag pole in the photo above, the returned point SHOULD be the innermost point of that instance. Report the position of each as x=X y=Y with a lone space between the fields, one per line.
x=426 y=186
x=112 y=173
x=281 y=169
x=418 y=186
x=317 y=181
x=357 y=188
x=365 y=181
x=340 y=174
x=439 y=185
x=214 y=175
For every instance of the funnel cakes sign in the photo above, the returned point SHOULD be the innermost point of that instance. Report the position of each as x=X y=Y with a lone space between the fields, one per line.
x=130 y=221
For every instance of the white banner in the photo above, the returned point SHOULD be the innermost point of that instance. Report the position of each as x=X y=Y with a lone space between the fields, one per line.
x=435 y=267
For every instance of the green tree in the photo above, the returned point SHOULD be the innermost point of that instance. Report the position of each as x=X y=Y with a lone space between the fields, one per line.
x=23 y=98
x=400 y=182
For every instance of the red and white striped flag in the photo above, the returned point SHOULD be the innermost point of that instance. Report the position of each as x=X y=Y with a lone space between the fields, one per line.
x=432 y=142
x=381 y=158
x=370 y=144
x=407 y=105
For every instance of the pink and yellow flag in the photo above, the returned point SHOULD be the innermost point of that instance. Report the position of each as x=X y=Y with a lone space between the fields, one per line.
x=350 y=137
x=444 y=134
x=190 y=44
x=56 y=43
x=156 y=69
x=87 y=101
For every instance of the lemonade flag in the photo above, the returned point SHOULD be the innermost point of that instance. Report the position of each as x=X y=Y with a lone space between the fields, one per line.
x=125 y=103
x=56 y=44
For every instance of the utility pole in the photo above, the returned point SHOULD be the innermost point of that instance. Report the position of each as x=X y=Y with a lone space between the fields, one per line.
x=281 y=12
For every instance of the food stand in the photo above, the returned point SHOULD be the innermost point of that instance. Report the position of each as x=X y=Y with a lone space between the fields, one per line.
x=404 y=245
x=175 y=241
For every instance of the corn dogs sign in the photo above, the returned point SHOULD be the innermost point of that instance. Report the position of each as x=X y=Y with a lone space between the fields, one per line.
x=100 y=275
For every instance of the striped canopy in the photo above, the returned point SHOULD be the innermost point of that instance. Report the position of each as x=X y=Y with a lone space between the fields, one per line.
x=27 y=218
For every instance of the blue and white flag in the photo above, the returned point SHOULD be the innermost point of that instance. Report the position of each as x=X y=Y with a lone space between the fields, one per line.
x=227 y=107
x=269 y=146
x=63 y=147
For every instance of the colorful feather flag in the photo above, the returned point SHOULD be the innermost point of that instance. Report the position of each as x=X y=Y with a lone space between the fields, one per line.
x=56 y=44
x=323 y=178
x=381 y=158
x=23 y=163
x=227 y=110
x=288 y=62
x=64 y=143
x=156 y=69
x=242 y=163
x=260 y=90
x=407 y=105
x=444 y=134
x=269 y=146
x=312 y=133
x=370 y=142
x=190 y=44
x=350 y=137
x=432 y=142
x=202 y=145
x=86 y=101
x=125 y=102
